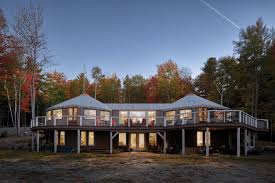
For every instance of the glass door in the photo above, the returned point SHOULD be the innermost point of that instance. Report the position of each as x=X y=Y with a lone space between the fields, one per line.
x=141 y=141
x=133 y=143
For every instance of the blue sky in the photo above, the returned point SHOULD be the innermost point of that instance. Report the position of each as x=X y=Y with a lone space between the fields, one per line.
x=133 y=36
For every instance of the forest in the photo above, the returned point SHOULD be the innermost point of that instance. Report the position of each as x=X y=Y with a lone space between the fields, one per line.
x=245 y=80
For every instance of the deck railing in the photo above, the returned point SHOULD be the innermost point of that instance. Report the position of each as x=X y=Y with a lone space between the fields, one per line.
x=236 y=116
x=214 y=116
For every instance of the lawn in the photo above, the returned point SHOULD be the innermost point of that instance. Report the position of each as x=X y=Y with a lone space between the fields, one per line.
x=25 y=166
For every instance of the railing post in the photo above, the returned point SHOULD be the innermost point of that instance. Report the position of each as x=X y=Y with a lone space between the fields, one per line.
x=36 y=121
x=111 y=121
x=54 y=121
x=67 y=120
x=45 y=121
x=224 y=117
x=164 y=122
x=208 y=116
x=80 y=120
x=240 y=116
x=267 y=125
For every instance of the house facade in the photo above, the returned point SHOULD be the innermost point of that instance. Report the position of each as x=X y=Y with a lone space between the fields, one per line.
x=84 y=124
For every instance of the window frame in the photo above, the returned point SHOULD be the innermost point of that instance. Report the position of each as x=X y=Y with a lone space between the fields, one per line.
x=155 y=139
x=82 y=138
x=73 y=116
x=49 y=115
x=57 y=116
x=62 y=134
x=104 y=115
x=170 y=117
x=199 y=138
x=89 y=116
x=93 y=135
x=124 y=136
x=186 y=114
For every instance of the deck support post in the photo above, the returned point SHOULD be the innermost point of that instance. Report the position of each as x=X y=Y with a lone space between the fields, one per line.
x=245 y=142
x=183 y=141
x=111 y=142
x=55 y=137
x=254 y=139
x=37 y=141
x=207 y=141
x=238 y=141
x=78 y=141
x=164 y=142
x=32 y=141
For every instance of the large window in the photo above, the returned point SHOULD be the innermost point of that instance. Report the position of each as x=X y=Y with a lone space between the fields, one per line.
x=152 y=139
x=91 y=139
x=219 y=115
x=62 y=138
x=83 y=138
x=104 y=115
x=138 y=117
x=57 y=113
x=186 y=114
x=89 y=114
x=123 y=117
x=122 y=139
x=151 y=116
x=199 y=138
x=170 y=115
x=202 y=114
x=49 y=115
x=72 y=113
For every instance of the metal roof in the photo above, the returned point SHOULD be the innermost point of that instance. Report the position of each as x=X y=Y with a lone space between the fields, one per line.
x=192 y=101
x=189 y=101
x=138 y=106
x=84 y=101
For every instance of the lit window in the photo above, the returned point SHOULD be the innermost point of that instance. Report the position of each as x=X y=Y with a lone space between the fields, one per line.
x=170 y=115
x=89 y=114
x=49 y=115
x=57 y=113
x=209 y=143
x=62 y=138
x=91 y=138
x=72 y=113
x=151 y=117
x=199 y=138
x=202 y=114
x=122 y=139
x=104 y=115
x=186 y=114
x=219 y=115
x=137 y=117
x=123 y=117
x=83 y=138
x=152 y=139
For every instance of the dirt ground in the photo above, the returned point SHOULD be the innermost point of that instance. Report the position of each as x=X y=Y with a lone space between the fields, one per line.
x=25 y=166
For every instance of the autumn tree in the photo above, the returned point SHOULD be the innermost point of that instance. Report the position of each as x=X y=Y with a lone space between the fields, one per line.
x=134 y=89
x=170 y=83
x=109 y=89
x=27 y=27
x=13 y=73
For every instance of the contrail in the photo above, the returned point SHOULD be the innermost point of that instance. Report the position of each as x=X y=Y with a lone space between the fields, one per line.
x=219 y=13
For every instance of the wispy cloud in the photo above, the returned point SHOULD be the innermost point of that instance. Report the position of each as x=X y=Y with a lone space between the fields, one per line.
x=221 y=14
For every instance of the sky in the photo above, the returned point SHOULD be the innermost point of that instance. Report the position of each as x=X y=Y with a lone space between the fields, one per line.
x=134 y=36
